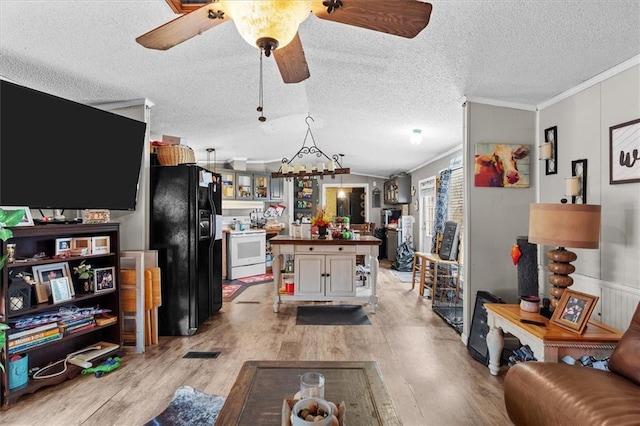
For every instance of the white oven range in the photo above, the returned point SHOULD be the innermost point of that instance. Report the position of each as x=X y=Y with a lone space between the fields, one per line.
x=246 y=253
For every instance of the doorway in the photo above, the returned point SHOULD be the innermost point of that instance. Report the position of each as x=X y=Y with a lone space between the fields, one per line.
x=355 y=204
x=426 y=207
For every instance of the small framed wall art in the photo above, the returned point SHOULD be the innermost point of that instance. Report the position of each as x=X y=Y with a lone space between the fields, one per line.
x=624 y=152
x=499 y=165
x=551 y=160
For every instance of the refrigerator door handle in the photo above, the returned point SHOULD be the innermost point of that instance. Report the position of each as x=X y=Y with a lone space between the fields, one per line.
x=216 y=219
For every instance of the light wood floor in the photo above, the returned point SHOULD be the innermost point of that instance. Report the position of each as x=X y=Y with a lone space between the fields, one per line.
x=429 y=374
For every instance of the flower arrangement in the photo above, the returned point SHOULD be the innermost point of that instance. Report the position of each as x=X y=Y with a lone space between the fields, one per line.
x=321 y=218
x=84 y=271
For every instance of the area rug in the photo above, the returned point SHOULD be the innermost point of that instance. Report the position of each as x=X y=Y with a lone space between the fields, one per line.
x=404 y=277
x=231 y=291
x=256 y=279
x=191 y=407
x=332 y=315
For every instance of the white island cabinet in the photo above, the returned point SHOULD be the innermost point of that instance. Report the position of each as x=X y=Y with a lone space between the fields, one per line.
x=325 y=270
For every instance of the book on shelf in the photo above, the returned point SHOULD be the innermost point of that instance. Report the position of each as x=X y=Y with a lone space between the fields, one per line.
x=33 y=337
x=30 y=331
x=76 y=321
x=77 y=324
x=34 y=343
x=80 y=327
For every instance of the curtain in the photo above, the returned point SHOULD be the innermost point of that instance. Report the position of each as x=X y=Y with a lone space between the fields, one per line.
x=441 y=211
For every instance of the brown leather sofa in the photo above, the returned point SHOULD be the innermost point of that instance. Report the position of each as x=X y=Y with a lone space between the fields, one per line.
x=545 y=393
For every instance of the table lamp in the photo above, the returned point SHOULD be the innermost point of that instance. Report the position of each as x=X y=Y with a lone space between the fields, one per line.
x=563 y=225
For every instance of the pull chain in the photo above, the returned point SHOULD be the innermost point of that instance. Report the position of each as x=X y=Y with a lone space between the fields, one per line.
x=260 y=108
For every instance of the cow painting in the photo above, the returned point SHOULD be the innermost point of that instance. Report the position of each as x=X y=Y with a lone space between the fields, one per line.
x=502 y=165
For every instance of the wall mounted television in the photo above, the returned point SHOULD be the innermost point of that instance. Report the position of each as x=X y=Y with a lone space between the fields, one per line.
x=59 y=154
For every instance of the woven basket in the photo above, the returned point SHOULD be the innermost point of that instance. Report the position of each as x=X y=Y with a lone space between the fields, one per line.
x=171 y=155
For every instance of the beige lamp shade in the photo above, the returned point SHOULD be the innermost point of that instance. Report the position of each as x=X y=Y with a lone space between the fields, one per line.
x=565 y=225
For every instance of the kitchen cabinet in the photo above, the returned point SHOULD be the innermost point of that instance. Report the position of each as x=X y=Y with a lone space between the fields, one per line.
x=262 y=188
x=277 y=189
x=228 y=185
x=397 y=189
x=249 y=186
x=66 y=336
x=325 y=275
x=244 y=186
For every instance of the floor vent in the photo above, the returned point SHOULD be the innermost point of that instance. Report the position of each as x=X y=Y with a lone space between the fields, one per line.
x=202 y=355
x=248 y=301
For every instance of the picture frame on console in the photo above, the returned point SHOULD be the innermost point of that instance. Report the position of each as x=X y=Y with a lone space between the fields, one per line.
x=574 y=310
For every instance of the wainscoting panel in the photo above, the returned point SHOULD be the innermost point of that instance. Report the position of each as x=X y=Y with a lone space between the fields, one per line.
x=618 y=305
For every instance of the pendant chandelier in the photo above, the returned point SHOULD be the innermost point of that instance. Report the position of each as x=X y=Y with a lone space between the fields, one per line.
x=324 y=165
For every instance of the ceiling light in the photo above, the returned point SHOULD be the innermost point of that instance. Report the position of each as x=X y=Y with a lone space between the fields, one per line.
x=268 y=24
x=416 y=137
x=288 y=169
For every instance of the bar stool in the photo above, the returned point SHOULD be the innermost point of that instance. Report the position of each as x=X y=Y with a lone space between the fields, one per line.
x=422 y=264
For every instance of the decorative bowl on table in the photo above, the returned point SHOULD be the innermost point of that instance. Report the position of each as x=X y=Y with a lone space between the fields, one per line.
x=291 y=413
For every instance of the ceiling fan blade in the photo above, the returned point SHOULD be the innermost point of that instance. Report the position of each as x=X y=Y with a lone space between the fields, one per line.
x=291 y=61
x=184 y=27
x=404 y=18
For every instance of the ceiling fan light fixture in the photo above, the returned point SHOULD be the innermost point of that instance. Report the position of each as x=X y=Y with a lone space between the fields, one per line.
x=268 y=19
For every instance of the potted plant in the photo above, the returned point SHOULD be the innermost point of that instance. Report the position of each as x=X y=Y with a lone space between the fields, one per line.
x=7 y=219
x=85 y=273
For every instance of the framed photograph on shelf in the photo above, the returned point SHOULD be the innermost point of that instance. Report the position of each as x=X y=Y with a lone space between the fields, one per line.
x=27 y=219
x=624 y=140
x=104 y=279
x=574 y=310
x=81 y=245
x=60 y=290
x=63 y=245
x=100 y=245
x=43 y=274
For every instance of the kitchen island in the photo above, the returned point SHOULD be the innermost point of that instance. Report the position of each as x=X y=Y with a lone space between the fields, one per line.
x=324 y=270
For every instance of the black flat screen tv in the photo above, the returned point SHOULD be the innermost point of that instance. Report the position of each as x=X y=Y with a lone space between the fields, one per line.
x=59 y=154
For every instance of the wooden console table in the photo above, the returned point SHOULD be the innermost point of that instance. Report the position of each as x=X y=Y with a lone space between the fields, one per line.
x=548 y=342
x=258 y=393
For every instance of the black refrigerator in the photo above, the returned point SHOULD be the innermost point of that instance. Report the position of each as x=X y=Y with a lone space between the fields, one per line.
x=185 y=229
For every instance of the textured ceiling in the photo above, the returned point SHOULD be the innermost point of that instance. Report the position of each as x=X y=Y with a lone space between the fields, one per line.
x=367 y=90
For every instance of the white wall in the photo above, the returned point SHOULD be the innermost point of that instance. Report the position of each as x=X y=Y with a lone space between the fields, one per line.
x=495 y=217
x=134 y=225
x=583 y=121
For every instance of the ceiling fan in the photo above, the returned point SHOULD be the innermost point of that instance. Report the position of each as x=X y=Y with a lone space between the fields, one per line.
x=272 y=25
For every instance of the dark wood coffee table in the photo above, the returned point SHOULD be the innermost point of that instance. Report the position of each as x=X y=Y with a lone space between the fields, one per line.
x=257 y=396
